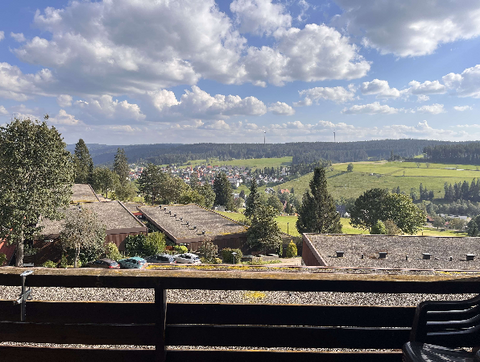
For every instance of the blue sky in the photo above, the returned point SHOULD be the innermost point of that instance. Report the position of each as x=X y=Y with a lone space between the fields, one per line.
x=189 y=71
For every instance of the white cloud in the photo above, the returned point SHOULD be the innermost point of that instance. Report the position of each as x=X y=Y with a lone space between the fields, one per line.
x=380 y=88
x=409 y=27
x=123 y=128
x=20 y=87
x=372 y=108
x=466 y=84
x=64 y=100
x=105 y=109
x=462 y=108
x=64 y=118
x=426 y=87
x=2 y=35
x=19 y=37
x=3 y=111
x=335 y=94
x=217 y=125
x=315 y=53
x=433 y=109
x=260 y=17
x=199 y=104
x=281 y=109
x=422 y=98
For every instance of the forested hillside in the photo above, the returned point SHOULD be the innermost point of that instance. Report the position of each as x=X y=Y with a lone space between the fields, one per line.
x=302 y=152
x=464 y=152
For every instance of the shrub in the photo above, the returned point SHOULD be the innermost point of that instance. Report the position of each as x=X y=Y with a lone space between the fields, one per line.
x=141 y=245
x=3 y=259
x=209 y=251
x=64 y=261
x=227 y=256
x=291 y=250
x=49 y=264
x=111 y=252
x=134 y=243
x=378 y=228
x=181 y=249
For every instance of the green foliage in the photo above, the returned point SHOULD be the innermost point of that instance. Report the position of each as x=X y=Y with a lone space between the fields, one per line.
x=83 y=163
x=223 y=191
x=111 y=252
x=264 y=233
x=141 y=245
x=64 y=261
x=378 y=228
x=180 y=249
x=275 y=203
x=36 y=177
x=379 y=204
x=126 y=192
x=49 y=264
x=350 y=167
x=472 y=227
x=208 y=251
x=438 y=222
x=318 y=213
x=3 y=259
x=252 y=201
x=227 y=255
x=392 y=228
x=120 y=166
x=104 y=180
x=291 y=251
x=84 y=234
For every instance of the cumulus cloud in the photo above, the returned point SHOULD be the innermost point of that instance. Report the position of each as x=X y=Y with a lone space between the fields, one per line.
x=2 y=35
x=372 y=108
x=19 y=37
x=20 y=87
x=422 y=98
x=462 y=108
x=105 y=109
x=335 y=94
x=3 y=111
x=466 y=84
x=426 y=87
x=281 y=109
x=218 y=125
x=64 y=100
x=433 y=109
x=260 y=17
x=409 y=27
x=199 y=104
x=379 y=88
x=64 y=118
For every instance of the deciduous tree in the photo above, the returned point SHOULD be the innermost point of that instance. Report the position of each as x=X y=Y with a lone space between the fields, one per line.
x=36 y=177
x=318 y=213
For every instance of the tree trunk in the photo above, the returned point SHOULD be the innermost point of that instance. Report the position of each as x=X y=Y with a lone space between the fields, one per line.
x=20 y=251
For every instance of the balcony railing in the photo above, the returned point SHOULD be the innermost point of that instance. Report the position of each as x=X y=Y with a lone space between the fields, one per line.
x=213 y=332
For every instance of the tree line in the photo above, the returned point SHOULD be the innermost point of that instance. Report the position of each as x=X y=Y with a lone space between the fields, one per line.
x=462 y=152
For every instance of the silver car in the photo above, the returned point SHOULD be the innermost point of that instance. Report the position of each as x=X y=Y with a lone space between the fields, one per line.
x=187 y=258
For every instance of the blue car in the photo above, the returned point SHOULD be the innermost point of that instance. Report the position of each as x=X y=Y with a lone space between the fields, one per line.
x=134 y=262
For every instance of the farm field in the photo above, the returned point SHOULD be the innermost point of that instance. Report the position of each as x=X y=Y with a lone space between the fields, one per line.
x=346 y=227
x=253 y=163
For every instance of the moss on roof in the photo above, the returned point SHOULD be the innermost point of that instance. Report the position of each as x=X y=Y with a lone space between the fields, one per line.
x=83 y=193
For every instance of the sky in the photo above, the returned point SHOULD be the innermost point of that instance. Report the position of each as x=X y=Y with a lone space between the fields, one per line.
x=189 y=71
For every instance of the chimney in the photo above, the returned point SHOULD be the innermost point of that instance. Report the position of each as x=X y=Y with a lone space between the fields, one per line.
x=340 y=253
x=470 y=257
x=382 y=255
x=426 y=256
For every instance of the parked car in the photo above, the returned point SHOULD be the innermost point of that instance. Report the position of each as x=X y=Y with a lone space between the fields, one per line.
x=161 y=259
x=187 y=258
x=104 y=263
x=134 y=262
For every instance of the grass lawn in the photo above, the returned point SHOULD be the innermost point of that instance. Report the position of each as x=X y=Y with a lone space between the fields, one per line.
x=290 y=221
x=253 y=163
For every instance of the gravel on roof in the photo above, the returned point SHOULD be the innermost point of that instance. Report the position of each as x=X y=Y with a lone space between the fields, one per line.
x=83 y=193
x=402 y=251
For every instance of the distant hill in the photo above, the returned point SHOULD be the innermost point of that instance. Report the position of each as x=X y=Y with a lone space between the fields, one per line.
x=301 y=152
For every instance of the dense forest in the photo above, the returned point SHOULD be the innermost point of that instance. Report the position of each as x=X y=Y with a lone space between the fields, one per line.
x=302 y=152
x=463 y=152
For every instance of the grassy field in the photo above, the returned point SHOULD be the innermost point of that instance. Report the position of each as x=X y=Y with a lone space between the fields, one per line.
x=253 y=163
x=287 y=223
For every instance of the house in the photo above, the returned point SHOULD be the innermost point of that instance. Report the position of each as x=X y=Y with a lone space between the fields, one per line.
x=191 y=225
x=391 y=251
x=83 y=193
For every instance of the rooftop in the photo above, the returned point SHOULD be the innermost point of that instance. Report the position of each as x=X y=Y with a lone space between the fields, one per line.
x=402 y=251
x=112 y=214
x=83 y=193
x=179 y=221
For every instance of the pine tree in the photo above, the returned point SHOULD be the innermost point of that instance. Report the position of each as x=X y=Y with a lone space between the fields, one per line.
x=83 y=163
x=252 y=200
x=120 y=166
x=318 y=213
x=264 y=233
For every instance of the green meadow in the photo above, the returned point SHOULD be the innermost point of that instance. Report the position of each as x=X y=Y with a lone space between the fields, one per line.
x=252 y=163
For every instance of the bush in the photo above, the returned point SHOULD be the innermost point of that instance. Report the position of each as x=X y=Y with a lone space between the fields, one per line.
x=64 y=261
x=141 y=245
x=181 y=249
x=3 y=259
x=49 y=264
x=227 y=256
x=291 y=250
x=209 y=251
x=111 y=252
x=378 y=228
x=134 y=244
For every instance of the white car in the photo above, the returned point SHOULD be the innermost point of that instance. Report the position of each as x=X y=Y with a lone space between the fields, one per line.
x=187 y=258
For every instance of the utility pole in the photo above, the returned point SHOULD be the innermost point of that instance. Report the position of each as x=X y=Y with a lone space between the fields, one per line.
x=333 y=136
